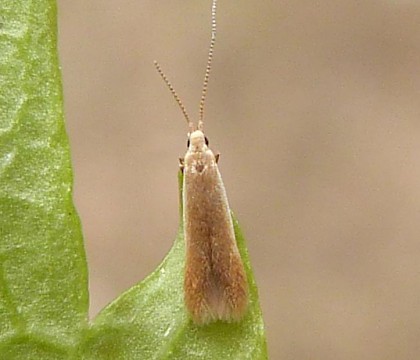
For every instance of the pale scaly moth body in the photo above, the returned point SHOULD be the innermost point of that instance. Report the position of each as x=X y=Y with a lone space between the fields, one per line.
x=215 y=284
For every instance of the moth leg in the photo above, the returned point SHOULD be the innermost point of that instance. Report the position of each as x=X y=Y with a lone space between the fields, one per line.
x=217 y=157
x=181 y=164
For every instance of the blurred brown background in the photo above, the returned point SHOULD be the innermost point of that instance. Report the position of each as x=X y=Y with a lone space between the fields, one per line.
x=314 y=107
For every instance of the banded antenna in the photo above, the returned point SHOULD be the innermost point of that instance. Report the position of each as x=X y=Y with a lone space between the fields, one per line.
x=206 y=76
x=208 y=67
x=175 y=95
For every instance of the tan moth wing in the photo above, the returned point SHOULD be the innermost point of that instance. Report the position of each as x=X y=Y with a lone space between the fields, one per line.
x=215 y=281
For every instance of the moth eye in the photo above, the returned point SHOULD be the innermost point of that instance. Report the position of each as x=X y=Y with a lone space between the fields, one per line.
x=188 y=143
x=206 y=140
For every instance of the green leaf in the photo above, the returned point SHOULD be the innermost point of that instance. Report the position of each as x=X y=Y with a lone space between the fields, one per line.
x=43 y=275
x=149 y=321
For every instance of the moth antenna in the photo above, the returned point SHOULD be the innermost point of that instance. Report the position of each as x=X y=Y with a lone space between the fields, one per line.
x=208 y=67
x=175 y=95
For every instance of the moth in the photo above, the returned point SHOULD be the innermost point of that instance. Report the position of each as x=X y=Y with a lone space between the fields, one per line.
x=215 y=283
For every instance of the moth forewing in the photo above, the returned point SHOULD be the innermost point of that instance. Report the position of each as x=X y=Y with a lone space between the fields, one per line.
x=215 y=282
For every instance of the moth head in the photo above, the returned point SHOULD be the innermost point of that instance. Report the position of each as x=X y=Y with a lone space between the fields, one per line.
x=197 y=139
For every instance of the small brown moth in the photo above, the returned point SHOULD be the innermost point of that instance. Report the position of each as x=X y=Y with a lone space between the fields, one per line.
x=215 y=284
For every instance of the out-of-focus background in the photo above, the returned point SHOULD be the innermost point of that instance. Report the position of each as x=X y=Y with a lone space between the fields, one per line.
x=315 y=109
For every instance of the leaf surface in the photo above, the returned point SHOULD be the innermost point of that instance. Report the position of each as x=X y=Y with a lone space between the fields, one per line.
x=43 y=274
x=149 y=321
